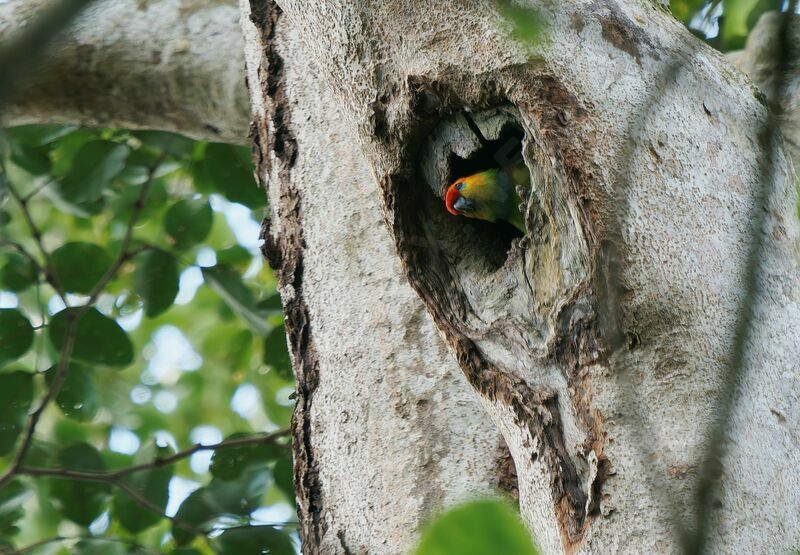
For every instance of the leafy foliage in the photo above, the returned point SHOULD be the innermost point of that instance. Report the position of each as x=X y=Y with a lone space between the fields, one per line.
x=155 y=280
x=16 y=335
x=133 y=300
x=477 y=528
x=97 y=338
x=725 y=24
x=16 y=390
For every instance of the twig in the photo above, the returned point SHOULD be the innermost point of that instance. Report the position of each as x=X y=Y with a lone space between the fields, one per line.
x=693 y=541
x=124 y=254
x=83 y=537
x=38 y=189
x=149 y=505
x=36 y=233
x=33 y=419
x=610 y=292
x=24 y=252
x=158 y=462
x=475 y=129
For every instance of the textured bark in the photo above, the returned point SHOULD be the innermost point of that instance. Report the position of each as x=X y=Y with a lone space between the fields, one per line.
x=174 y=65
x=360 y=120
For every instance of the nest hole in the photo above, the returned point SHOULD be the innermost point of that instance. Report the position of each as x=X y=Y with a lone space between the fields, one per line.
x=504 y=151
x=488 y=244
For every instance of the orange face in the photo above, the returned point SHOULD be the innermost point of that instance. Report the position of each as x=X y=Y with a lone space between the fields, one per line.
x=452 y=196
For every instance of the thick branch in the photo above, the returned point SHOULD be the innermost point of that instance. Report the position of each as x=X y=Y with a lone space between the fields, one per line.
x=175 y=65
x=759 y=60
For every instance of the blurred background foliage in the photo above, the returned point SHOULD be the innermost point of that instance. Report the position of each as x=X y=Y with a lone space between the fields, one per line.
x=184 y=344
x=724 y=24
x=181 y=343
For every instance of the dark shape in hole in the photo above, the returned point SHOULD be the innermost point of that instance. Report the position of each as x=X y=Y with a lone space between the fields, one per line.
x=502 y=152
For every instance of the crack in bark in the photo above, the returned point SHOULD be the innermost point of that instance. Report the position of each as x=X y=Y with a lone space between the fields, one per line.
x=284 y=249
x=506 y=472
x=577 y=347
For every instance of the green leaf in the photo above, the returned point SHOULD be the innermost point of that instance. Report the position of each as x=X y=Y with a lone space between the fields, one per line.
x=283 y=473
x=38 y=135
x=171 y=143
x=16 y=335
x=189 y=222
x=134 y=175
x=121 y=202
x=16 y=393
x=12 y=497
x=229 y=464
x=98 y=339
x=96 y=546
x=80 y=501
x=155 y=280
x=477 y=528
x=66 y=147
x=228 y=284
x=254 y=539
x=228 y=169
x=236 y=257
x=78 y=397
x=526 y=23
x=17 y=272
x=5 y=217
x=152 y=484
x=80 y=266
x=685 y=10
x=220 y=498
x=31 y=159
x=92 y=169
x=276 y=353
x=271 y=306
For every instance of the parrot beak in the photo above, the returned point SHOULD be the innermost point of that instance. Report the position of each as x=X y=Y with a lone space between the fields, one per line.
x=464 y=205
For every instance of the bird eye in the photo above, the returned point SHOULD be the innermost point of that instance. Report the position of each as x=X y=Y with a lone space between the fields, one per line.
x=459 y=186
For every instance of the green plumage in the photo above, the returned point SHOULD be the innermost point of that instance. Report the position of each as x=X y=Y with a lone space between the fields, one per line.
x=490 y=195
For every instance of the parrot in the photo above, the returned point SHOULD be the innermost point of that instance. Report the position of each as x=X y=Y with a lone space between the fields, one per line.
x=491 y=195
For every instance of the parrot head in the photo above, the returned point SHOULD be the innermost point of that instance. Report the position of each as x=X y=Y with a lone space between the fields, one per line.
x=489 y=196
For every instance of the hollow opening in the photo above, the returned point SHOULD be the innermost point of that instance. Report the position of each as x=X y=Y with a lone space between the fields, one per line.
x=487 y=243
x=500 y=153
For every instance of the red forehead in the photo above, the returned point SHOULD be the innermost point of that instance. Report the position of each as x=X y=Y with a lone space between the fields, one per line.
x=451 y=197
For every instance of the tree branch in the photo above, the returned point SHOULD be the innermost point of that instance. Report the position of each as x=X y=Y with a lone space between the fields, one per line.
x=24 y=252
x=174 y=65
x=158 y=462
x=84 y=537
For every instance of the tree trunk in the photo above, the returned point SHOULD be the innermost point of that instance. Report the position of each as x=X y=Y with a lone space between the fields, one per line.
x=363 y=112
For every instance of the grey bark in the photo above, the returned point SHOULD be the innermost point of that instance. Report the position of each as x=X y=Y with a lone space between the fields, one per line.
x=174 y=65
x=349 y=92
